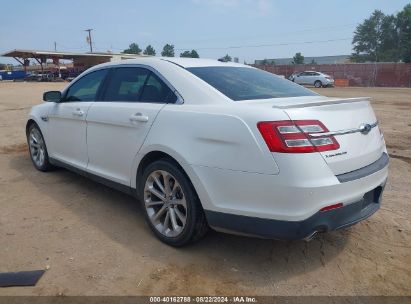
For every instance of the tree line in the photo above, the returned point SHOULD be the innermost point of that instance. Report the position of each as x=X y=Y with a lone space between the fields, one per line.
x=168 y=51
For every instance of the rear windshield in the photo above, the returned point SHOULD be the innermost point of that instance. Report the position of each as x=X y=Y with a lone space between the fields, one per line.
x=241 y=83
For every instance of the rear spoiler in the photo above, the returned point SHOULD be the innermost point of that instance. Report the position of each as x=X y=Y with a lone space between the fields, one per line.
x=301 y=103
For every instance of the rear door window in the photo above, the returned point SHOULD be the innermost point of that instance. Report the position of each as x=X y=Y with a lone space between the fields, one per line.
x=155 y=90
x=134 y=84
x=126 y=84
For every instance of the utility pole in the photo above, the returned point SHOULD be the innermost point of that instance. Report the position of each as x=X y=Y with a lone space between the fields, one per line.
x=55 y=46
x=89 y=39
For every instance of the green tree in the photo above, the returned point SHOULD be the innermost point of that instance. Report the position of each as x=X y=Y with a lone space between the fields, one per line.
x=149 y=51
x=388 y=50
x=226 y=58
x=168 y=50
x=194 y=54
x=298 y=59
x=3 y=66
x=404 y=33
x=133 y=49
x=190 y=54
x=377 y=39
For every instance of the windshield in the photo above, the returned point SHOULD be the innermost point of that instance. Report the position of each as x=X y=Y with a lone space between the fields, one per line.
x=242 y=83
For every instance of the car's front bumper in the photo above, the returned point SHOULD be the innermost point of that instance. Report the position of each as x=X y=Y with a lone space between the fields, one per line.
x=321 y=221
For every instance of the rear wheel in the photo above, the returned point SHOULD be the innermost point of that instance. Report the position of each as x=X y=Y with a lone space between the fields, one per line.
x=318 y=84
x=38 y=149
x=172 y=208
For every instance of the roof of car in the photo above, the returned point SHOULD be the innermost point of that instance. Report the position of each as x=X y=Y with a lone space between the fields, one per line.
x=183 y=62
x=198 y=62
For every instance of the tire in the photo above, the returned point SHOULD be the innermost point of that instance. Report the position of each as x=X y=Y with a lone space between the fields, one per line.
x=37 y=149
x=177 y=218
x=318 y=84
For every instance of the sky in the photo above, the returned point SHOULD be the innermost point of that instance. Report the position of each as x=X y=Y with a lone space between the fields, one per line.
x=247 y=29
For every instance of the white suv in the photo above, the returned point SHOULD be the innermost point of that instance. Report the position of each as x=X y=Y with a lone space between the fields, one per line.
x=202 y=143
x=314 y=78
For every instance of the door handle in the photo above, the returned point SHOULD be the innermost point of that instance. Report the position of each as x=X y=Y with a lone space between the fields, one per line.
x=78 y=112
x=139 y=117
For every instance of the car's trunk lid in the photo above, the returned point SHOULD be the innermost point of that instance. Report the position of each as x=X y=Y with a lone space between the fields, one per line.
x=357 y=149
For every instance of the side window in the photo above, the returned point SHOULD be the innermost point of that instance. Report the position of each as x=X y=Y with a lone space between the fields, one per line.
x=126 y=84
x=86 y=88
x=156 y=90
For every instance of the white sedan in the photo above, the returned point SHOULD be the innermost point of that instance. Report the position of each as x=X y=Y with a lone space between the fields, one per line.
x=314 y=78
x=202 y=143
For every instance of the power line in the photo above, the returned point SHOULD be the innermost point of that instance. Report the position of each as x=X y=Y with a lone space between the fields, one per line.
x=232 y=38
x=322 y=29
x=266 y=45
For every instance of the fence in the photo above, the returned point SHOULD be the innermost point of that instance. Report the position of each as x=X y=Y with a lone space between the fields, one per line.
x=357 y=74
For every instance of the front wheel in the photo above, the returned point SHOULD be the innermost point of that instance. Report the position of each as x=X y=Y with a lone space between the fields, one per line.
x=38 y=149
x=172 y=208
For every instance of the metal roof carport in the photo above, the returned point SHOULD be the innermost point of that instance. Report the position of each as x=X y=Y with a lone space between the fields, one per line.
x=85 y=59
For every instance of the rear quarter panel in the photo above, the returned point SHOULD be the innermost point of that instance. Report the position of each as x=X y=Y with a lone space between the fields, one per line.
x=221 y=138
x=213 y=137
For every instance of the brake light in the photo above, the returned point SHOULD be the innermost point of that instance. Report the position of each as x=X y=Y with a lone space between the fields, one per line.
x=288 y=136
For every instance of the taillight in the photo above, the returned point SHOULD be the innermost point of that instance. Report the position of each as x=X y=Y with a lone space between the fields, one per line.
x=288 y=136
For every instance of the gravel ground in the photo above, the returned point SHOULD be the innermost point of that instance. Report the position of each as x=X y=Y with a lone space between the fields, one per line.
x=95 y=242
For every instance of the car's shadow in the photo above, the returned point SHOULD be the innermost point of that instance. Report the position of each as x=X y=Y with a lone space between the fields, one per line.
x=216 y=256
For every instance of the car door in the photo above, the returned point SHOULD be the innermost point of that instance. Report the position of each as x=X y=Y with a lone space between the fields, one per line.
x=313 y=77
x=67 y=120
x=118 y=125
x=300 y=78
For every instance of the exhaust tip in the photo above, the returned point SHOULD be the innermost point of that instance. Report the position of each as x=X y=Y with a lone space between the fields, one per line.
x=310 y=236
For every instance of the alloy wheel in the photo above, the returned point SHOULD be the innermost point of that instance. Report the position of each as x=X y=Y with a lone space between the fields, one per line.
x=165 y=203
x=37 y=147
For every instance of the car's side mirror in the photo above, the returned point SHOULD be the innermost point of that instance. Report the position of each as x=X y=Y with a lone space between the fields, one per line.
x=52 y=96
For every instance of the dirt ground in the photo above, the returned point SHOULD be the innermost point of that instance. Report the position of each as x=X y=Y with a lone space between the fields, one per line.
x=95 y=242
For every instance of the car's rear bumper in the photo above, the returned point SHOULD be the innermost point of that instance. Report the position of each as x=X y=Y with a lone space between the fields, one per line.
x=321 y=221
